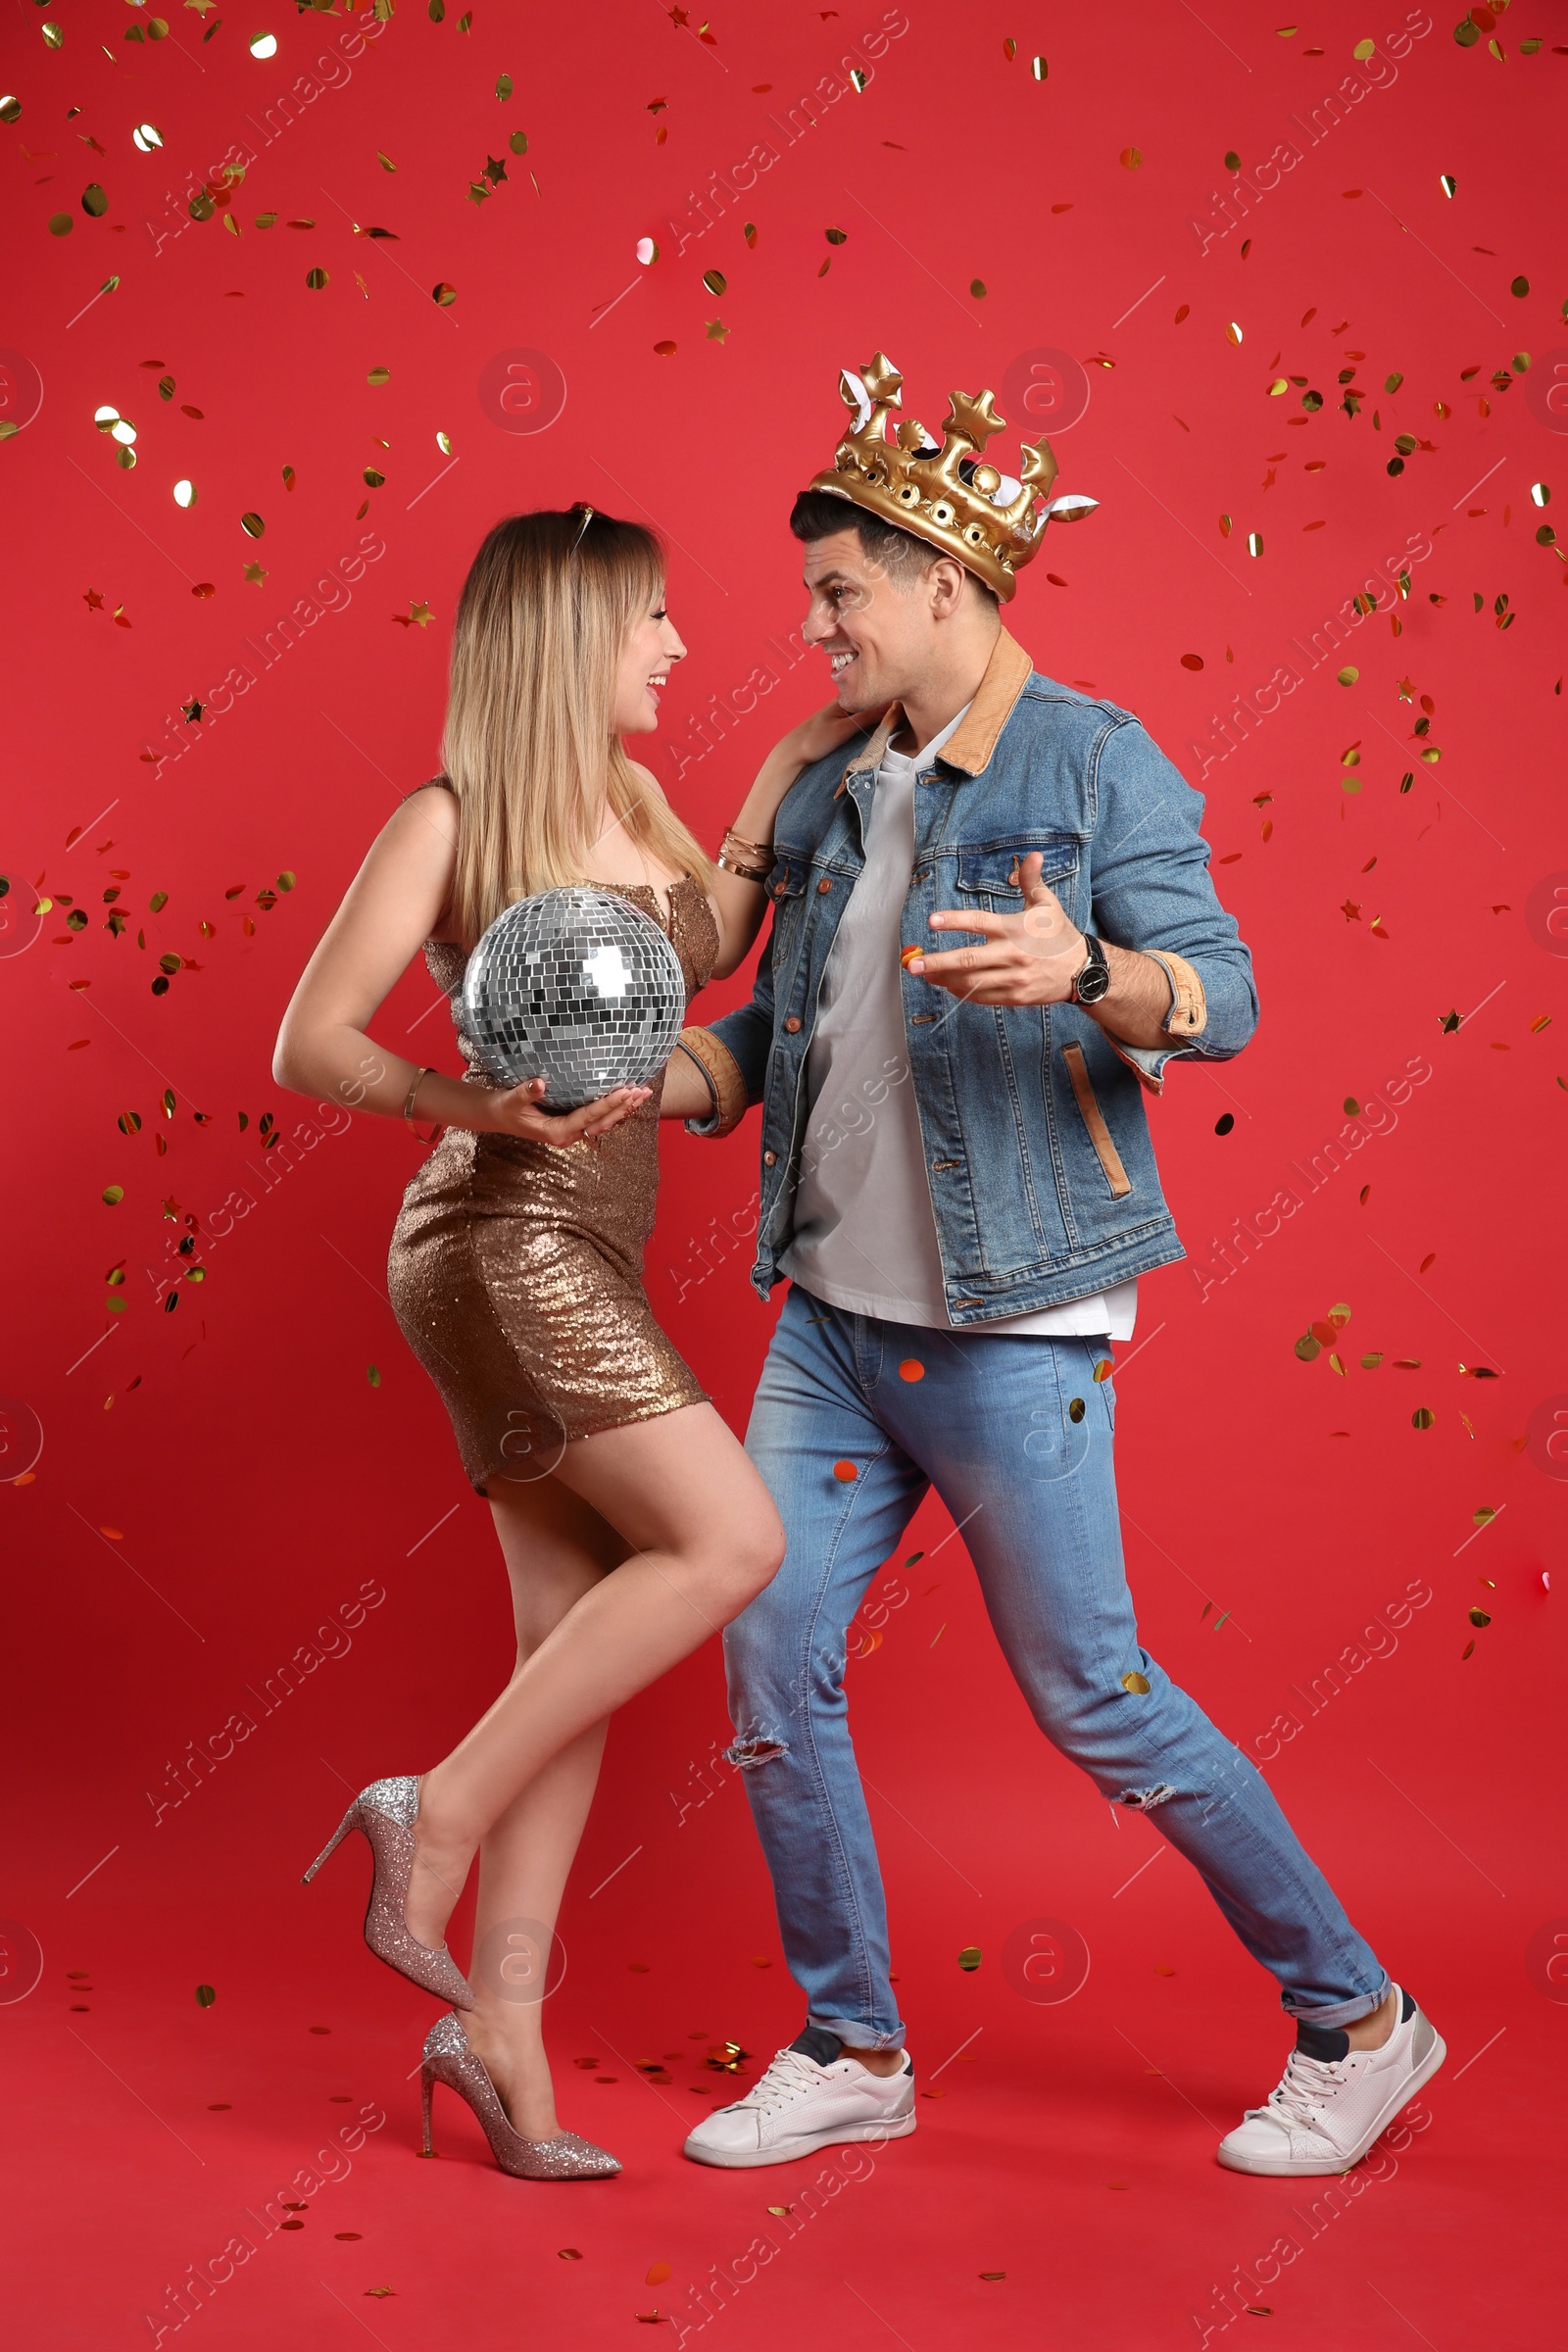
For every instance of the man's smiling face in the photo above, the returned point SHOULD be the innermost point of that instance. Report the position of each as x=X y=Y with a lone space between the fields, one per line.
x=875 y=629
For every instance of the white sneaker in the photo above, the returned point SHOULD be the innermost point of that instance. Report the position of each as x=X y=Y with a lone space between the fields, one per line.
x=805 y=2102
x=1333 y=2100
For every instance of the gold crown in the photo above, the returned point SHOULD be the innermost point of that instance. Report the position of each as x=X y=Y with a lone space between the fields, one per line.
x=951 y=496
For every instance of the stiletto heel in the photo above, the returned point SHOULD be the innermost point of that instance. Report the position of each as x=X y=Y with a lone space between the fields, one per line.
x=386 y=1811
x=448 y=2059
x=348 y=1822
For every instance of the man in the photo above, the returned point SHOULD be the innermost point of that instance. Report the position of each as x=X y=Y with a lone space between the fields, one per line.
x=958 y=1180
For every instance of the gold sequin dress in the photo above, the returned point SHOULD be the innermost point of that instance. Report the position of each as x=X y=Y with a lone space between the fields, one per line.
x=515 y=1268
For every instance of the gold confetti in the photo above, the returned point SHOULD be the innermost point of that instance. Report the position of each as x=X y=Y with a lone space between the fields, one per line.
x=1131 y=158
x=1423 y=1417
x=969 y=1958
x=1136 y=1683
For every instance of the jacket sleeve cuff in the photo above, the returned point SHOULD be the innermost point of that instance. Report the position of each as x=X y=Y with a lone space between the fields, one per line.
x=1189 y=1007
x=725 y=1083
x=1187 y=1016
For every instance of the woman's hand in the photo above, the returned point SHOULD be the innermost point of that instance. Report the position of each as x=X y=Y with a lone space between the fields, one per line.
x=817 y=736
x=515 y=1111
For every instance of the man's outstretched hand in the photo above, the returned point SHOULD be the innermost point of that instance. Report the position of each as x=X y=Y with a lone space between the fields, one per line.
x=1027 y=958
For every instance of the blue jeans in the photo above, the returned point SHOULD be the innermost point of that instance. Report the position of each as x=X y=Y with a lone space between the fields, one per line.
x=1017 y=1437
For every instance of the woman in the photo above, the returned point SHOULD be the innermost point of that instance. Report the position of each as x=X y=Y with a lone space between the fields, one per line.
x=631 y=1523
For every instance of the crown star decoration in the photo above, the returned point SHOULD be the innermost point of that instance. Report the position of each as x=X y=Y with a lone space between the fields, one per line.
x=949 y=494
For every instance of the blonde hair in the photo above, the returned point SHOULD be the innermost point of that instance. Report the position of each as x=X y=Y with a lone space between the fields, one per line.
x=528 y=746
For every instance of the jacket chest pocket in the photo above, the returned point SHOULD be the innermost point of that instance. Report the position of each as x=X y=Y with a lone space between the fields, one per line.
x=988 y=873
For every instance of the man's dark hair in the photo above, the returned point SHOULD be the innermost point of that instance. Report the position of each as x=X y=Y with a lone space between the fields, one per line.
x=819 y=514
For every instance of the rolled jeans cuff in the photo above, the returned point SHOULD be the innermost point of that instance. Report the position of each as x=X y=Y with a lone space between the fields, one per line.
x=1339 y=2013
x=857 y=2037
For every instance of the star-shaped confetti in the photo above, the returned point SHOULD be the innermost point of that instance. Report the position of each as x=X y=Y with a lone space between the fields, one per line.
x=255 y=575
x=416 y=616
x=93 y=601
x=494 y=172
x=717 y=332
x=193 y=711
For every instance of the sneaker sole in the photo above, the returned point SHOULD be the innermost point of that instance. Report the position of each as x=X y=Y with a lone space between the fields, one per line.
x=786 y=2151
x=1287 y=2168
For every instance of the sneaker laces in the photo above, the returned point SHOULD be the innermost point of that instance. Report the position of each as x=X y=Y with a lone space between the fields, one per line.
x=791 y=2075
x=1307 y=2083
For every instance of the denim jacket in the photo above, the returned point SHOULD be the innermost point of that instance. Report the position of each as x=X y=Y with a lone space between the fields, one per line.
x=1038 y=1154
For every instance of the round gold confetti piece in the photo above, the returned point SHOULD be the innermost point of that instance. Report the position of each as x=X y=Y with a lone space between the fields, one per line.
x=1347 y=676
x=912 y=1368
x=126 y=458
x=123 y=430
x=665 y=351
x=94 y=202
x=715 y=281
x=184 y=494
x=61 y=224
x=52 y=34
x=844 y=1472
x=252 y=525
x=379 y=376
x=1134 y=1681
x=1192 y=661
x=969 y=1958
x=977 y=287
x=1039 y=67
x=263 y=44
x=315 y=279
x=443 y=442
x=444 y=294
x=1281 y=383
x=518 y=142
x=112 y=1194
x=1131 y=158
x=372 y=479
x=568 y=2254
x=1075 y=1411
x=647 y=251
x=1519 y=288
x=205 y=1996
x=1363 y=51
x=10 y=110
x=147 y=136
x=1423 y=1417
x=1479 y=1617
x=1446 y=183
x=1254 y=543
x=1233 y=332
x=1233 y=162
x=1540 y=494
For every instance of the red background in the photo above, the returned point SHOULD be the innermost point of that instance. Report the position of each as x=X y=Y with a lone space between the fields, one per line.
x=214 y=1479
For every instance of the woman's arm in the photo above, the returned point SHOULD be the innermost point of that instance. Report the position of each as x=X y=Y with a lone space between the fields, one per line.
x=393 y=905
x=739 y=906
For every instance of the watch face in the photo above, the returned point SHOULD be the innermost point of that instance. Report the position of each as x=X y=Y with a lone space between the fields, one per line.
x=1095 y=978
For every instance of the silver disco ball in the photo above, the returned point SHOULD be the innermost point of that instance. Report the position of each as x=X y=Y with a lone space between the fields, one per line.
x=577 y=986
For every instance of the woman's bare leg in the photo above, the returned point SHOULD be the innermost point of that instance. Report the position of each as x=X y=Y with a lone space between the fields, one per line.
x=703 y=1537
x=556 y=1548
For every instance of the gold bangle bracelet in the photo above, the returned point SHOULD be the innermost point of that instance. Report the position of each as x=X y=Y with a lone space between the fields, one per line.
x=759 y=848
x=743 y=873
x=419 y=1077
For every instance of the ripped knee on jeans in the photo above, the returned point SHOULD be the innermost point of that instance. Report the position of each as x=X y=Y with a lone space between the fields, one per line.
x=1146 y=1799
x=749 y=1752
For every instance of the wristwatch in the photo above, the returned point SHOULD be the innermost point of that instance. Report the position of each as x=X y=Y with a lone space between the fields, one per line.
x=1092 y=982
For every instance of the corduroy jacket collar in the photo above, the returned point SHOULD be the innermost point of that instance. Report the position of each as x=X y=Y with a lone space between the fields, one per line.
x=1007 y=673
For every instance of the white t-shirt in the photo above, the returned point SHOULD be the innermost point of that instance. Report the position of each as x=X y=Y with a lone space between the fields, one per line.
x=865 y=1237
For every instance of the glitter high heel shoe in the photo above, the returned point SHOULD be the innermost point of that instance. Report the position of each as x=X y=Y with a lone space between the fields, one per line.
x=448 y=2059
x=386 y=1812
